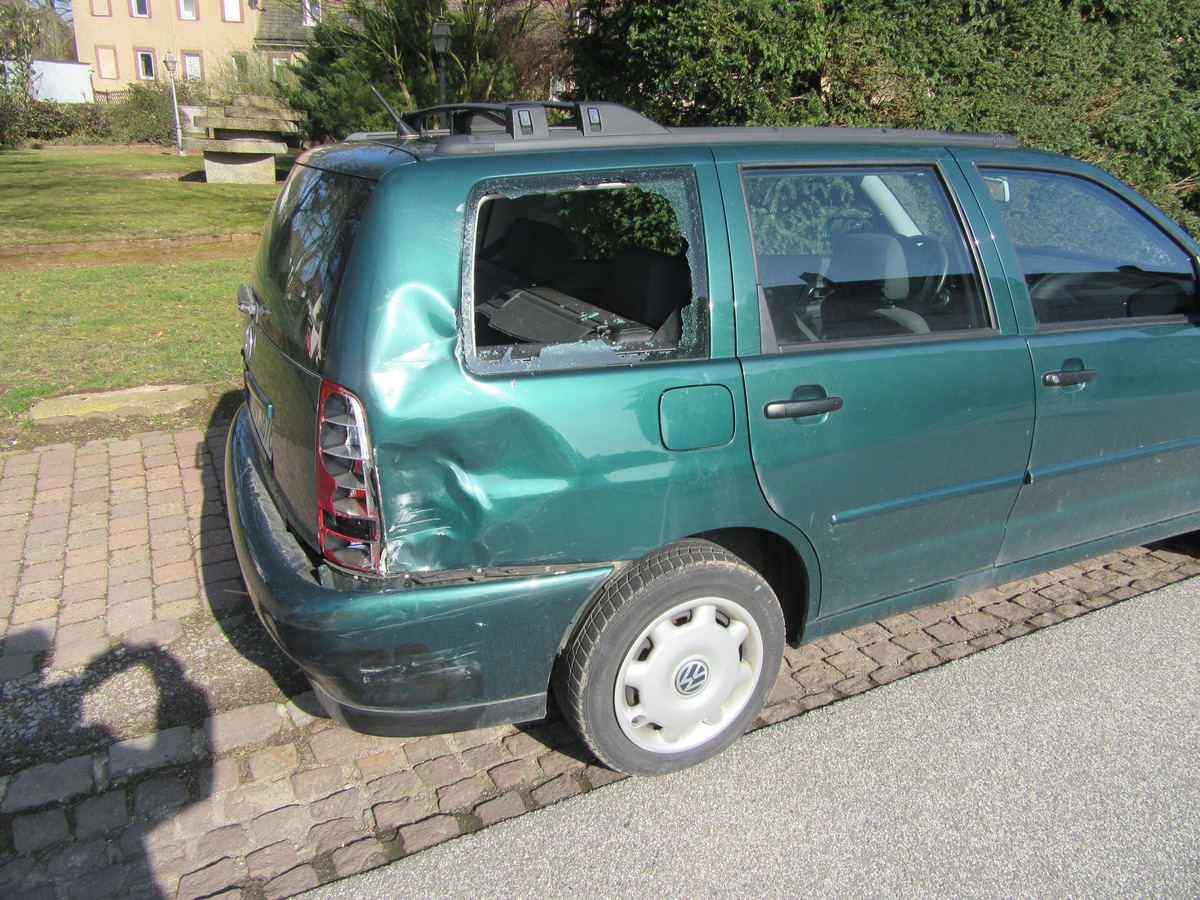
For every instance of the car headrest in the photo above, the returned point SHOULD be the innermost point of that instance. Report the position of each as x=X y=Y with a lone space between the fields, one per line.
x=536 y=250
x=869 y=260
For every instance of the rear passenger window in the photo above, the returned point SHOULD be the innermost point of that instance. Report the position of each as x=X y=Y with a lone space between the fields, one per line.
x=859 y=253
x=1086 y=254
x=585 y=271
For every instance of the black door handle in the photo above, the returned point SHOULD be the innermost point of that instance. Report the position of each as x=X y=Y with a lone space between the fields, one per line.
x=795 y=409
x=1066 y=379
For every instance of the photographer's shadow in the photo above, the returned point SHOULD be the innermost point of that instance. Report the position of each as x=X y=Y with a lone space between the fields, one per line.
x=99 y=772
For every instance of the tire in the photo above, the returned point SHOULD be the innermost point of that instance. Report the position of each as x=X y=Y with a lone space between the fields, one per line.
x=674 y=661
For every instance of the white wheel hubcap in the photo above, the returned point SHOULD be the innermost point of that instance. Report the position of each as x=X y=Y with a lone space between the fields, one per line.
x=688 y=675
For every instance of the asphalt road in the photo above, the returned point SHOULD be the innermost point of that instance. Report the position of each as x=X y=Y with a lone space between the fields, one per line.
x=1062 y=764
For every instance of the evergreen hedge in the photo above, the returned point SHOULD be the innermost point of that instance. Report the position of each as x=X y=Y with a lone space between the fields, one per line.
x=1115 y=82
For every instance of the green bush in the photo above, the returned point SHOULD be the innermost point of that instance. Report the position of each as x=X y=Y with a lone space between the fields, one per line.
x=1115 y=82
x=1108 y=81
x=46 y=121
x=12 y=120
x=146 y=116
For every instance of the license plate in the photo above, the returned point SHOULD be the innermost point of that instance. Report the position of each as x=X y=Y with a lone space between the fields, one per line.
x=262 y=414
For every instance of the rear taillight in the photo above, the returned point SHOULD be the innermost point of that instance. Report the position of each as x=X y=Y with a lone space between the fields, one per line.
x=349 y=521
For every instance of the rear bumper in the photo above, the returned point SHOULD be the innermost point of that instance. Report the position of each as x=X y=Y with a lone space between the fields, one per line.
x=400 y=662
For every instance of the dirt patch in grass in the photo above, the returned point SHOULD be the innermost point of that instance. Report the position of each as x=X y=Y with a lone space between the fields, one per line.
x=216 y=411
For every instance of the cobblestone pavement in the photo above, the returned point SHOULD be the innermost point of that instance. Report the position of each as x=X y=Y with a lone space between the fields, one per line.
x=154 y=744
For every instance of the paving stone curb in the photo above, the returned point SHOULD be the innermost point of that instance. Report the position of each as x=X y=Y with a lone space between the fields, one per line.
x=233 y=787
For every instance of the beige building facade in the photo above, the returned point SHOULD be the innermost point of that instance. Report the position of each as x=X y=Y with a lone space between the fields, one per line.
x=126 y=41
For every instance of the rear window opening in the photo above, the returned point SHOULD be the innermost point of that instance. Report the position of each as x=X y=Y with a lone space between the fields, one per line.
x=567 y=271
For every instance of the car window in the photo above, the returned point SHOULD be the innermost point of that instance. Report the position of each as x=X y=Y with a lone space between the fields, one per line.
x=312 y=229
x=1087 y=254
x=586 y=270
x=859 y=253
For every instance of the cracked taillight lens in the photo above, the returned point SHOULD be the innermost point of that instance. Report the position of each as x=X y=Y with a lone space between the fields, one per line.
x=348 y=518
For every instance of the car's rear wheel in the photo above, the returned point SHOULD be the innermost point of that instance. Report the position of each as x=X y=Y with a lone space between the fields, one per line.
x=674 y=661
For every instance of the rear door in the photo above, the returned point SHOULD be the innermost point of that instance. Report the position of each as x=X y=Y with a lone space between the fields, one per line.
x=1112 y=302
x=890 y=399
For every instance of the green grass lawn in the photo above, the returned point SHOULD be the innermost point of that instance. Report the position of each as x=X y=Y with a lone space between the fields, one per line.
x=62 y=195
x=107 y=327
x=106 y=320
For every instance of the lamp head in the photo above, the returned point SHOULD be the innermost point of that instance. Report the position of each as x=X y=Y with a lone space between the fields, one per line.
x=441 y=37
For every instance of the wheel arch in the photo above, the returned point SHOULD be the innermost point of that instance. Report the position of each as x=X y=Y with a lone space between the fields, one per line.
x=780 y=565
x=771 y=555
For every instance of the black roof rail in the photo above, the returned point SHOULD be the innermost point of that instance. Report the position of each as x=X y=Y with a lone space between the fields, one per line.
x=528 y=120
x=468 y=128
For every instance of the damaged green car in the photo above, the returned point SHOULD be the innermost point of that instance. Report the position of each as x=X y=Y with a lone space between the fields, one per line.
x=551 y=398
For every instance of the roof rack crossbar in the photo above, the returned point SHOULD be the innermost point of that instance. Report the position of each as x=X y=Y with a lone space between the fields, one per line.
x=528 y=120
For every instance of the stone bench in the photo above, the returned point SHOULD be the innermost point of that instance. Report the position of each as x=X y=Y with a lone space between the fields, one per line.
x=244 y=138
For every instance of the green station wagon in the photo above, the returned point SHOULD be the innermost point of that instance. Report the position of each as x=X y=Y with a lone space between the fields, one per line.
x=558 y=400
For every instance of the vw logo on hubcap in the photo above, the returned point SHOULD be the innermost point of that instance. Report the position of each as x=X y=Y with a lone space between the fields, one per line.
x=691 y=677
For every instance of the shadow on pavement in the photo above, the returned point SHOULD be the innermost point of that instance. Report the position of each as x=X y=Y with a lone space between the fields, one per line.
x=83 y=806
x=221 y=580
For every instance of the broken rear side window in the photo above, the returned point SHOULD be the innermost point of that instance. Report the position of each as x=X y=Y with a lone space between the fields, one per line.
x=586 y=270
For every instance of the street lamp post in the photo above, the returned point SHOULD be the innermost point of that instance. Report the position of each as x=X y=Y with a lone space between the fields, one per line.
x=441 y=46
x=169 y=62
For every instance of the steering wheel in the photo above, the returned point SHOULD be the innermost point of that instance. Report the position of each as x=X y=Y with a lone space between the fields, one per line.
x=927 y=257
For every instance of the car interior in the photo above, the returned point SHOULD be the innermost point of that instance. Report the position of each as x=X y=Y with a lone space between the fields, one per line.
x=536 y=284
x=841 y=257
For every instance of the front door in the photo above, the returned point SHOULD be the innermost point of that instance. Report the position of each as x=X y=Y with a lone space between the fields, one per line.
x=1116 y=357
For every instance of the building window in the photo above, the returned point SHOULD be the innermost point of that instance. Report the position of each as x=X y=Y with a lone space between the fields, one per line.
x=145 y=64
x=191 y=67
x=279 y=67
x=139 y=8
x=310 y=11
x=240 y=65
x=231 y=10
x=106 y=63
x=101 y=8
x=187 y=10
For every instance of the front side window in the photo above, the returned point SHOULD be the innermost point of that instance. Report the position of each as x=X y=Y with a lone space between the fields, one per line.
x=586 y=270
x=1088 y=255
x=187 y=9
x=139 y=8
x=859 y=253
x=310 y=12
x=231 y=10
